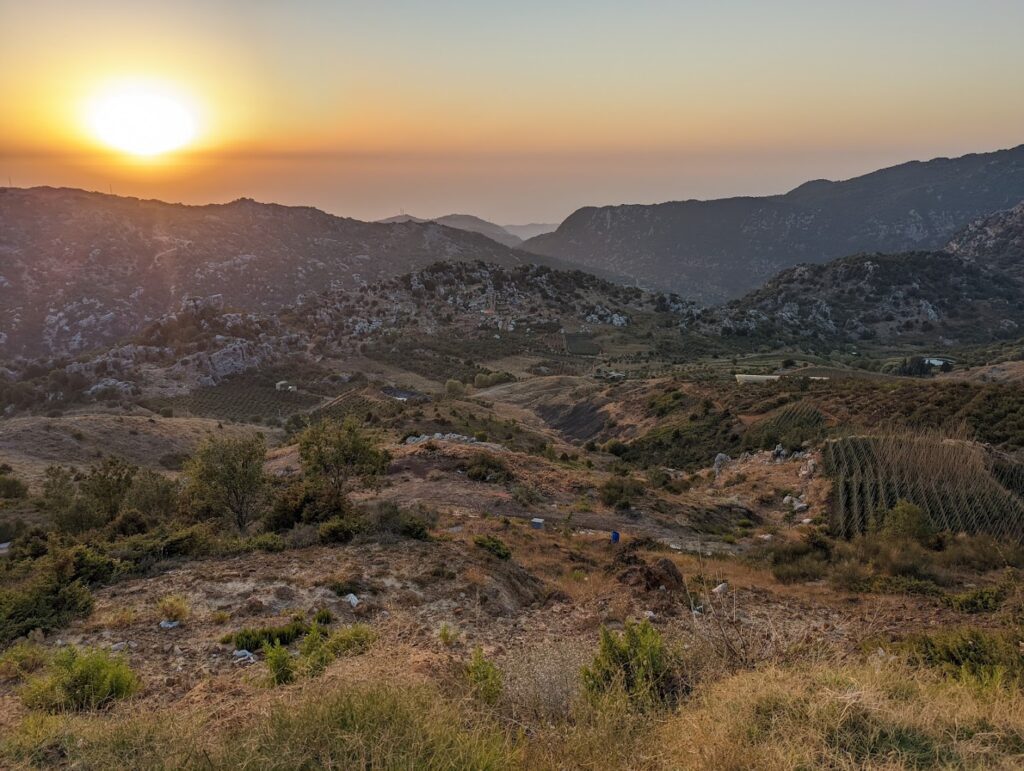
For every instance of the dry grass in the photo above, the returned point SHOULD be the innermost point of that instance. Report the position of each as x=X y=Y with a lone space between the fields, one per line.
x=873 y=715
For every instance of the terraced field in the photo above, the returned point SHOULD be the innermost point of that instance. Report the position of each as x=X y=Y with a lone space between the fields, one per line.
x=961 y=486
x=239 y=401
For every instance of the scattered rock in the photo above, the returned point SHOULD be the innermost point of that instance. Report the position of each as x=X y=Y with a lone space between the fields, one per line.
x=169 y=624
x=351 y=599
x=722 y=588
x=721 y=460
x=118 y=647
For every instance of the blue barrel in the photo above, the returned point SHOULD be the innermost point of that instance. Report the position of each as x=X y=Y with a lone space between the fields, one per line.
x=615 y=536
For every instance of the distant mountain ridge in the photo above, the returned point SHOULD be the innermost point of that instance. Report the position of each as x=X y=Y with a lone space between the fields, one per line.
x=466 y=222
x=715 y=250
x=81 y=269
x=532 y=229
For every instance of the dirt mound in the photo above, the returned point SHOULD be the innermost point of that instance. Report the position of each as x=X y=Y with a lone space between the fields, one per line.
x=663 y=575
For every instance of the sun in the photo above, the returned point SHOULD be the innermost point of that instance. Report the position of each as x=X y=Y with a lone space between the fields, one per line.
x=142 y=118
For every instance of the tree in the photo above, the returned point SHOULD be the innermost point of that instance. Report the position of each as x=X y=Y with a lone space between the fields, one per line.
x=454 y=389
x=333 y=453
x=153 y=494
x=105 y=486
x=225 y=476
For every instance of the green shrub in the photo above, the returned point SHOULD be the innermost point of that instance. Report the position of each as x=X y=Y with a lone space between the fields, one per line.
x=351 y=640
x=22 y=659
x=280 y=666
x=388 y=518
x=80 y=679
x=448 y=634
x=621 y=492
x=494 y=545
x=12 y=488
x=253 y=639
x=485 y=679
x=968 y=654
x=482 y=467
x=323 y=617
x=268 y=542
x=809 y=567
x=45 y=601
x=128 y=522
x=314 y=653
x=801 y=560
x=338 y=530
x=905 y=521
x=983 y=600
x=638 y=662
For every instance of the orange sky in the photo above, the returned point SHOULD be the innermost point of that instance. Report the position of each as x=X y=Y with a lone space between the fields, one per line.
x=516 y=113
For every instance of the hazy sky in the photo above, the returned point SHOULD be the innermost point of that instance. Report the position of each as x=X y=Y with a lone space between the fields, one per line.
x=515 y=111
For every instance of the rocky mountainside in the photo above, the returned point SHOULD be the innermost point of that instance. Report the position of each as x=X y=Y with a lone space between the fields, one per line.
x=468 y=223
x=714 y=250
x=80 y=269
x=996 y=241
x=913 y=296
x=972 y=291
x=461 y=306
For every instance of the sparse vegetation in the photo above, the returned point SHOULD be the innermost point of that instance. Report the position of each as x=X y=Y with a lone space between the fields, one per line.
x=493 y=545
x=80 y=679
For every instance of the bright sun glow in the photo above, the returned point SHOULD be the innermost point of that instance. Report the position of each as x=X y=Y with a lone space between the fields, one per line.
x=142 y=118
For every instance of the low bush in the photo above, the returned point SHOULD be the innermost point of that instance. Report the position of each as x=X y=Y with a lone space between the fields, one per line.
x=621 y=492
x=45 y=601
x=12 y=488
x=448 y=634
x=485 y=679
x=482 y=467
x=338 y=530
x=80 y=679
x=253 y=639
x=323 y=616
x=280 y=666
x=351 y=640
x=637 y=661
x=984 y=600
x=906 y=522
x=173 y=607
x=976 y=654
x=388 y=518
x=493 y=545
x=268 y=542
x=22 y=659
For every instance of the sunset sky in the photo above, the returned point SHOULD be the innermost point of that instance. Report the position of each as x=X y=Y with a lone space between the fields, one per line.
x=516 y=112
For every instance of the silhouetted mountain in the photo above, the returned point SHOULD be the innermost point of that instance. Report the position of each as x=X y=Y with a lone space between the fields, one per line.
x=533 y=229
x=465 y=222
x=80 y=269
x=712 y=250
